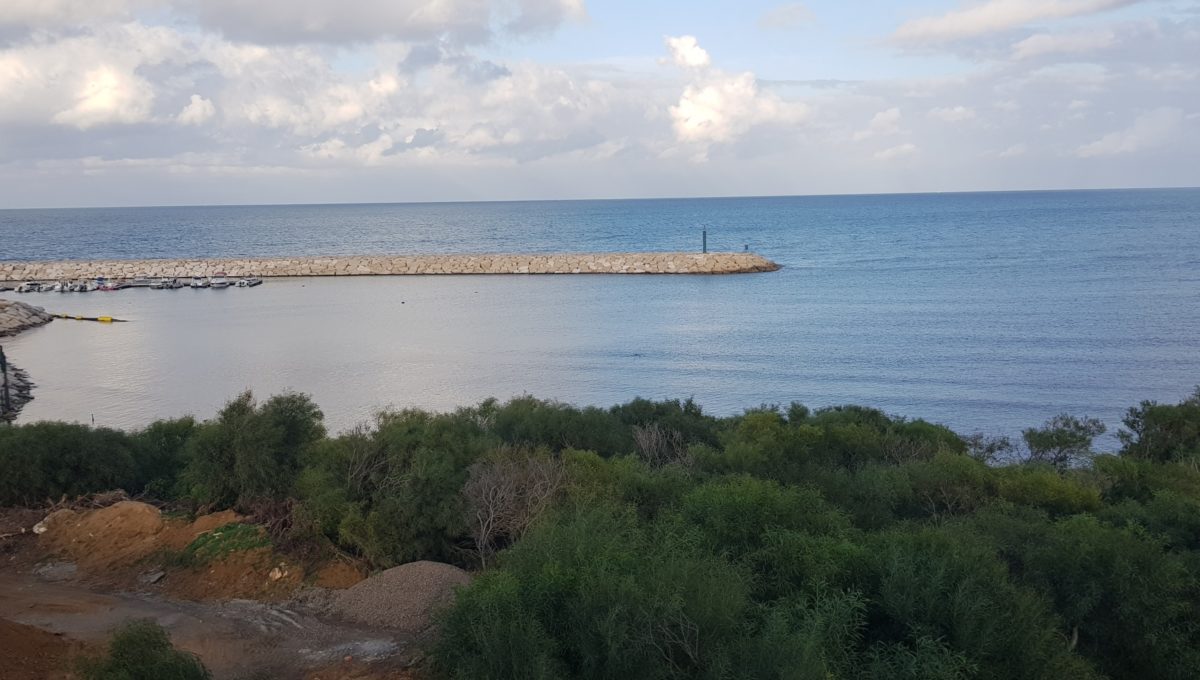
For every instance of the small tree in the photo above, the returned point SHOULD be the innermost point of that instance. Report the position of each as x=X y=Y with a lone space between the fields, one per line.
x=658 y=446
x=1162 y=432
x=506 y=493
x=988 y=449
x=1063 y=441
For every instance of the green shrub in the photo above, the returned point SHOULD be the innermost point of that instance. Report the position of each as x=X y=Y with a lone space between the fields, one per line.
x=251 y=452
x=930 y=586
x=392 y=493
x=734 y=513
x=598 y=594
x=142 y=651
x=1163 y=433
x=1042 y=487
x=44 y=461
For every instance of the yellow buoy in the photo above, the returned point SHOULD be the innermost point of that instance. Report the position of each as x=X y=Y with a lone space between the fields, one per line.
x=104 y=319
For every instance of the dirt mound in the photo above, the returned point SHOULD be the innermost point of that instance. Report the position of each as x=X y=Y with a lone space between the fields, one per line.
x=250 y=574
x=116 y=536
x=27 y=653
x=337 y=576
x=403 y=598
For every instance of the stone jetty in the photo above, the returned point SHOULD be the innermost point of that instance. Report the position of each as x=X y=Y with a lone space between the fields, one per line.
x=385 y=265
x=18 y=316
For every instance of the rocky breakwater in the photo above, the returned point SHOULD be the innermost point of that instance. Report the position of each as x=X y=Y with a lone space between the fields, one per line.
x=18 y=316
x=14 y=318
x=385 y=265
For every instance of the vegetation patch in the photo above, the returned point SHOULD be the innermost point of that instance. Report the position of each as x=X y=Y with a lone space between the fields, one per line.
x=141 y=650
x=653 y=540
x=213 y=545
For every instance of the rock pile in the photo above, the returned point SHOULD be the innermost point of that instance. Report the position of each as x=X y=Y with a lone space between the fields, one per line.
x=18 y=316
x=403 y=598
x=384 y=265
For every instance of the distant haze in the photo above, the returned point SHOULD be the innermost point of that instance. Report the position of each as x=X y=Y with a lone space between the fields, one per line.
x=159 y=102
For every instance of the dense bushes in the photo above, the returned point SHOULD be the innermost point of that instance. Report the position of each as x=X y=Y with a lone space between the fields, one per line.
x=652 y=540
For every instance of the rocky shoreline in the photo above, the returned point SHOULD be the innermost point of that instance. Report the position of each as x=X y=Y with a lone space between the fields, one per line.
x=14 y=318
x=384 y=265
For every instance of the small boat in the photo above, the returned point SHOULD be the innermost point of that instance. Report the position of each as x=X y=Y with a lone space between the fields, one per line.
x=29 y=287
x=89 y=286
x=62 y=287
x=248 y=282
x=167 y=283
x=219 y=281
x=199 y=282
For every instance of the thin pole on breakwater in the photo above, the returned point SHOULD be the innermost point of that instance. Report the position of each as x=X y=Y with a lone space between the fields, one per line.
x=704 y=241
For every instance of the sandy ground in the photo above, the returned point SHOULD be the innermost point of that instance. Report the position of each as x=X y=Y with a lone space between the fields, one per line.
x=66 y=590
x=235 y=639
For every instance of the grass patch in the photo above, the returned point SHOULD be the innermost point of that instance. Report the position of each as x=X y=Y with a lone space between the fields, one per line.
x=222 y=541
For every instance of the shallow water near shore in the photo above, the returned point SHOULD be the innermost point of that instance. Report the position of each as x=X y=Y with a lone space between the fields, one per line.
x=987 y=312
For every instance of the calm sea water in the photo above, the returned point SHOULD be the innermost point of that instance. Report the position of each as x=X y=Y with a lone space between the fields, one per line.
x=986 y=312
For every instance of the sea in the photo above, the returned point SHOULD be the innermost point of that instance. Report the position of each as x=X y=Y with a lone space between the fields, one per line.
x=987 y=312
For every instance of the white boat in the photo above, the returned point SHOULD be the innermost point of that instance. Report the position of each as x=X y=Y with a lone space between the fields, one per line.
x=199 y=282
x=219 y=281
x=29 y=287
x=248 y=282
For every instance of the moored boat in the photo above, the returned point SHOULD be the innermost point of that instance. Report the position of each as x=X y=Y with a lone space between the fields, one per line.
x=219 y=281
x=199 y=282
x=248 y=282
x=29 y=287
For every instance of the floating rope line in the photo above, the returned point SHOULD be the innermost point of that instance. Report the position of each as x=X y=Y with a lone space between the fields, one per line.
x=101 y=319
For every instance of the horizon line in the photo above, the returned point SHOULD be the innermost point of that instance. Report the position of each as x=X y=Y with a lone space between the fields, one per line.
x=610 y=198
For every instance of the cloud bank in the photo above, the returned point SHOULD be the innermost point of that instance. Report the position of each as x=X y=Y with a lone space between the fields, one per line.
x=152 y=101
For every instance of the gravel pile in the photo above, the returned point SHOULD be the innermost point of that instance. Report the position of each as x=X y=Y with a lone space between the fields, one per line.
x=403 y=598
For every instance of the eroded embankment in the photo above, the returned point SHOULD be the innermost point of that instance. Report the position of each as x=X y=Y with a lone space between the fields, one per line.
x=384 y=265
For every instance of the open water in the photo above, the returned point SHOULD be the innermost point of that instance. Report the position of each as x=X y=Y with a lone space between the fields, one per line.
x=988 y=312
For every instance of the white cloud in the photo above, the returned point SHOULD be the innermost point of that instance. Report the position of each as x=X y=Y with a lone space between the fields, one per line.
x=1043 y=44
x=198 y=111
x=906 y=149
x=716 y=107
x=790 y=15
x=1149 y=130
x=994 y=16
x=886 y=122
x=953 y=114
x=108 y=94
x=686 y=52
x=86 y=80
x=1014 y=151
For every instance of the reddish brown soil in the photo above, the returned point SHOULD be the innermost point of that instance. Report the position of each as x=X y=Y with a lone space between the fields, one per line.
x=245 y=575
x=338 y=576
x=27 y=653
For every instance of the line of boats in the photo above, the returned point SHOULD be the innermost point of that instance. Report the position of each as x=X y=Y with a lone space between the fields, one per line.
x=218 y=280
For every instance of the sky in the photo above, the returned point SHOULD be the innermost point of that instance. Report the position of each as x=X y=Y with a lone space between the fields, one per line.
x=169 y=102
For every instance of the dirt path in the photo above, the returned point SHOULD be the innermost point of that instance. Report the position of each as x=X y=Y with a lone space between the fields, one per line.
x=236 y=639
